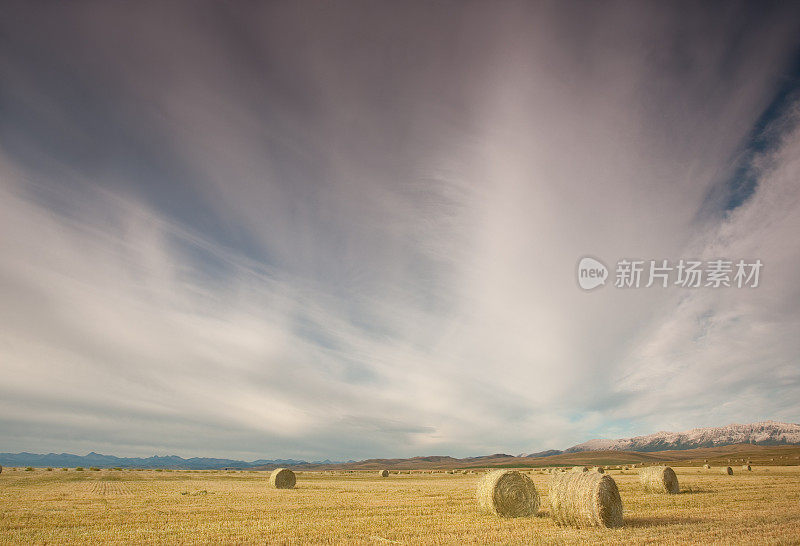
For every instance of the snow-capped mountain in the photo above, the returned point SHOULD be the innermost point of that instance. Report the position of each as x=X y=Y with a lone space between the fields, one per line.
x=764 y=433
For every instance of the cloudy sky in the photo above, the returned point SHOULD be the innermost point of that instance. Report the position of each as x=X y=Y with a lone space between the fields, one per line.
x=351 y=229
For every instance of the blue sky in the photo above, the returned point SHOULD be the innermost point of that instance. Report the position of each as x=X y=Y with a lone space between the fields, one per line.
x=306 y=230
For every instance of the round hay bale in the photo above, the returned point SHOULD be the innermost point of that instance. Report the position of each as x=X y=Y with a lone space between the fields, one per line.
x=507 y=493
x=383 y=473
x=727 y=470
x=282 y=478
x=707 y=466
x=747 y=467
x=585 y=499
x=580 y=469
x=660 y=479
x=1 y=469
x=600 y=470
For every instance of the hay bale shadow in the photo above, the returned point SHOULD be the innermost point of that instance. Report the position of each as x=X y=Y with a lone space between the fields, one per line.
x=659 y=521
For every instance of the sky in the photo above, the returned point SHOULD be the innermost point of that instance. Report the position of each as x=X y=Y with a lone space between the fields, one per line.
x=350 y=229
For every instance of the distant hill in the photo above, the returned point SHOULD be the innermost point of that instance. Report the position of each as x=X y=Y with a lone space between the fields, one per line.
x=547 y=453
x=728 y=441
x=98 y=460
x=766 y=433
x=759 y=455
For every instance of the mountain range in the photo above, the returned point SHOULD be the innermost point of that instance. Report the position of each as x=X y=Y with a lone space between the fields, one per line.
x=766 y=433
x=98 y=460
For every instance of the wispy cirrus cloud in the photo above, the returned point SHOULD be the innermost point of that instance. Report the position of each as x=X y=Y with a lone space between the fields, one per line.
x=293 y=231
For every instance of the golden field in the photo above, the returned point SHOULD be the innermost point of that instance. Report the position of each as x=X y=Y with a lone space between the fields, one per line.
x=108 y=506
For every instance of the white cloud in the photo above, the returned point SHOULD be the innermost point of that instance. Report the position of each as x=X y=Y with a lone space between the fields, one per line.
x=337 y=251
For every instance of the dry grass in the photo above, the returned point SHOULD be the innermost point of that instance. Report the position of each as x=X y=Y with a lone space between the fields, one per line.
x=123 y=507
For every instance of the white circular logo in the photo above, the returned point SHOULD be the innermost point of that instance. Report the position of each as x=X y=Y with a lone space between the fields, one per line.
x=591 y=273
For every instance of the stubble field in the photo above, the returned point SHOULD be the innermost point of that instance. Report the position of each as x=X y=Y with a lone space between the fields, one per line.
x=40 y=506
